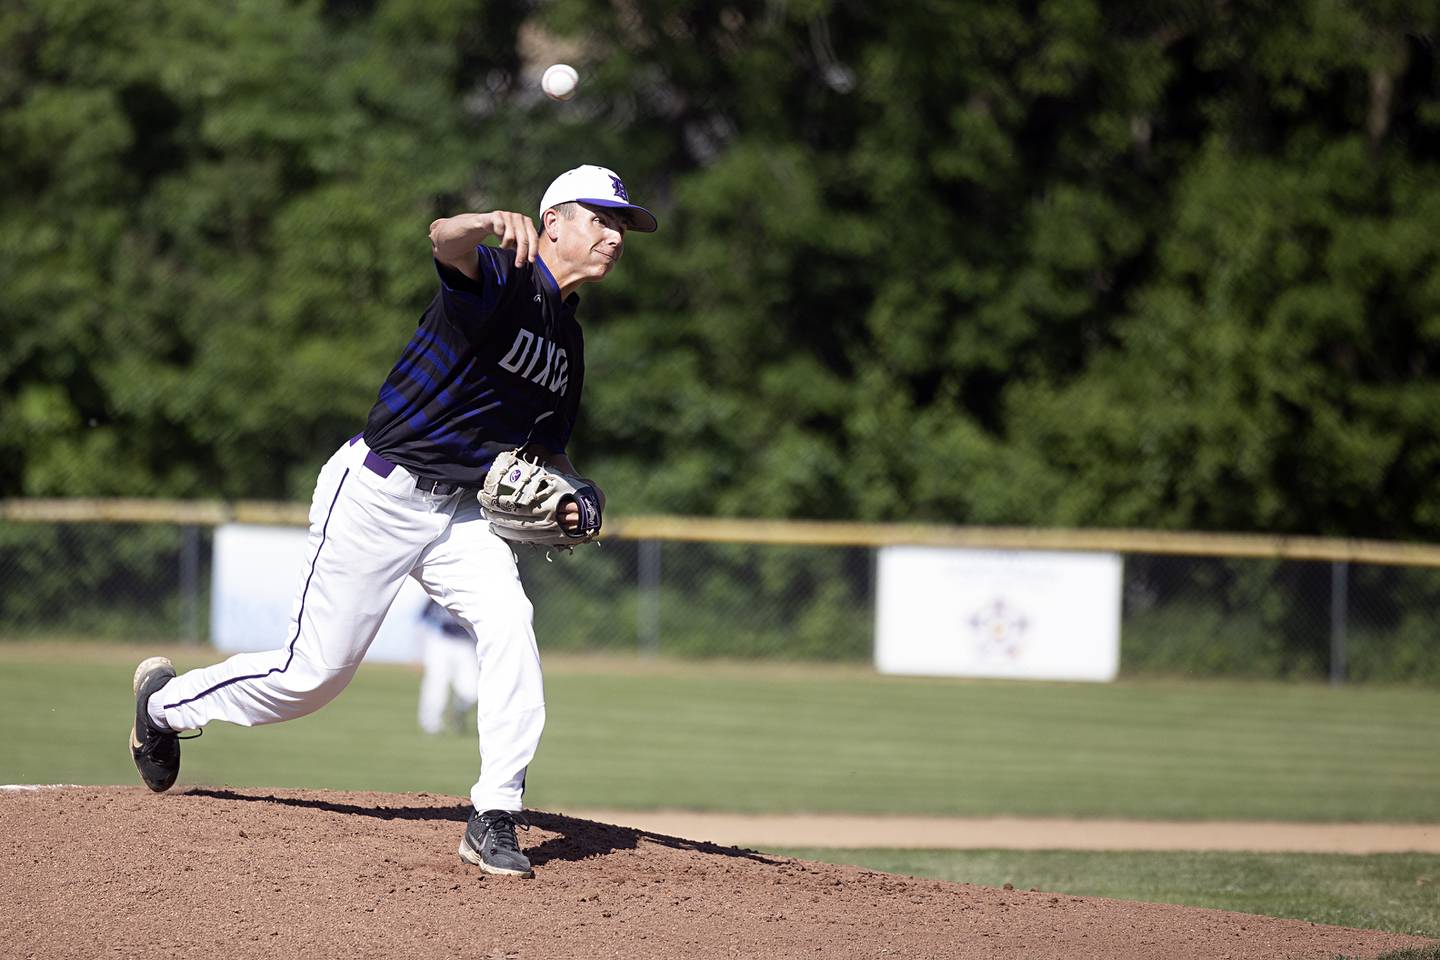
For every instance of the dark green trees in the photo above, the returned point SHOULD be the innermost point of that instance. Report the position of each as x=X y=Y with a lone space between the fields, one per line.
x=1066 y=263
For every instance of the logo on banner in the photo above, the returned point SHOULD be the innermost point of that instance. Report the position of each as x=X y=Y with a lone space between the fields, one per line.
x=998 y=631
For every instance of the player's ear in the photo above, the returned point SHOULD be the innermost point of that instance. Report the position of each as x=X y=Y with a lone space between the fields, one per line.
x=550 y=223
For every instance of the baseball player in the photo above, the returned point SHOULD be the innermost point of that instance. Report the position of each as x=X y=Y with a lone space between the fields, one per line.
x=448 y=661
x=495 y=366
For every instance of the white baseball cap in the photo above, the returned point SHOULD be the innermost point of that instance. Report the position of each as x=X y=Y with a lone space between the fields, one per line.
x=597 y=187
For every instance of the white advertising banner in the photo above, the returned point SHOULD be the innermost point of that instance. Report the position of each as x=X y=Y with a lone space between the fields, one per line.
x=998 y=613
x=257 y=574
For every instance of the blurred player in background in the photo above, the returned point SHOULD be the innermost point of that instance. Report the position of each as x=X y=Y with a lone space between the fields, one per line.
x=451 y=675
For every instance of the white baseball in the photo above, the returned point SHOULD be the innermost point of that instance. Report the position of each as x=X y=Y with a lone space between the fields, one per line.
x=559 y=81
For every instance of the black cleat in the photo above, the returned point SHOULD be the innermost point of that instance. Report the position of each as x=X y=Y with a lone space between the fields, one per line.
x=489 y=843
x=156 y=752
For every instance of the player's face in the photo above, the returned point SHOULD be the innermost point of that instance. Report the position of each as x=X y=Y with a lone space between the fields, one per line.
x=592 y=241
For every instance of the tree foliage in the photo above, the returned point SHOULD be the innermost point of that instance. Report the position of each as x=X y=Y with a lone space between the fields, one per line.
x=1080 y=263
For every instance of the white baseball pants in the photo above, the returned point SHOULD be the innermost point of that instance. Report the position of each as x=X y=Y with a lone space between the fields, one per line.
x=367 y=533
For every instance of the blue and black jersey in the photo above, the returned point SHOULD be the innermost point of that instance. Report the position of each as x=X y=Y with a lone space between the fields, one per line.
x=495 y=363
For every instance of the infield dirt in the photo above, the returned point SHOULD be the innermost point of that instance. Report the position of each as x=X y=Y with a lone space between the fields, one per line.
x=121 y=872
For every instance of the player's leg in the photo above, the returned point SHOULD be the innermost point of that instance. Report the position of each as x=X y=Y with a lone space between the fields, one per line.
x=472 y=573
x=365 y=535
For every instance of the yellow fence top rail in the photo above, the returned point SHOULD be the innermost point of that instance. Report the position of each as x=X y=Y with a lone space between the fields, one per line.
x=824 y=533
x=786 y=532
x=205 y=513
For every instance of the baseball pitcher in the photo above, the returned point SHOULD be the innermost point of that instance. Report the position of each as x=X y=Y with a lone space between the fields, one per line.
x=463 y=451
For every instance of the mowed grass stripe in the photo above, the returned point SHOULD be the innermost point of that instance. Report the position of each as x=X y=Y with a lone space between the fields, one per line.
x=1095 y=707
x=840 y=784
x=784 y=739
x=966 y=724
x=723 y=710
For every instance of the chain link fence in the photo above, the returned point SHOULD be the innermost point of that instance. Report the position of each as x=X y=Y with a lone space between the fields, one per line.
x=695 y=599
x=104 y=581
x=1181 y=615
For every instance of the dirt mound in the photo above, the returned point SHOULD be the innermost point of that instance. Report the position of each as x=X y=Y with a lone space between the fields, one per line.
x=121 y=872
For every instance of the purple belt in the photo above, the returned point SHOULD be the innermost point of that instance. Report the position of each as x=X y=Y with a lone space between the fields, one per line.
x=381 y=467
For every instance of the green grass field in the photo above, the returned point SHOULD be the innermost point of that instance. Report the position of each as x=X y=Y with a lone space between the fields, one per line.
x=771 y=738
x=806 y=739
x=1396 y=892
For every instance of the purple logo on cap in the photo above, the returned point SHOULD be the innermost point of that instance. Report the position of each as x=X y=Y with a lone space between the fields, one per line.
x=620 y=189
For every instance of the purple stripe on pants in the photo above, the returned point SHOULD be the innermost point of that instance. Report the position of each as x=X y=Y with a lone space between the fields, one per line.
x=324 y=531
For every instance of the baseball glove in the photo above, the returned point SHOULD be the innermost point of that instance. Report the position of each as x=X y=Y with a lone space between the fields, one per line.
x=523 y=499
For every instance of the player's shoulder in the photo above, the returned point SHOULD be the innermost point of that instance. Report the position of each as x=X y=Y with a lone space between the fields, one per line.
x=501 y=262
x=495 y=274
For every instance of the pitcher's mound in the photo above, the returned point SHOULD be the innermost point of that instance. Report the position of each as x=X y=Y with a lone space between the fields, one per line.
x=220 y=873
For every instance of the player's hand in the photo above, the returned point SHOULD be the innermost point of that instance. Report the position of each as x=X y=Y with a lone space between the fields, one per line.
x=518 y=231
x=453 y=239
x=569 y=517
